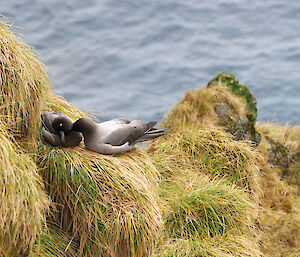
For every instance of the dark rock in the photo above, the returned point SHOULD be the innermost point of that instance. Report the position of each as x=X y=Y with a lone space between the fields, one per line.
x=280 y=156
x=239 y=127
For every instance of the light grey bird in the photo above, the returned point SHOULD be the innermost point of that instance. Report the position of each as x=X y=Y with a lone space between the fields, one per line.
x=115 y=136
x=57 y=129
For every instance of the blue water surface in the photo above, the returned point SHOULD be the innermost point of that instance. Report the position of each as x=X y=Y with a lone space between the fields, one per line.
x=137 y=58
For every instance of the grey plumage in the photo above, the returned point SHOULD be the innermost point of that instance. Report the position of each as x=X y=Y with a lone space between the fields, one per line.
x=117 y=135
x=57 y=129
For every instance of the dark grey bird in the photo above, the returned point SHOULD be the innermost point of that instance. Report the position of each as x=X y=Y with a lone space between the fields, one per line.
x=115 y=136
x=57 y=129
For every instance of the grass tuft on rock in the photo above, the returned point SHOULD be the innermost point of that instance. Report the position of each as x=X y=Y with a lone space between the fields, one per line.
x=214 y=106
x=242 y=91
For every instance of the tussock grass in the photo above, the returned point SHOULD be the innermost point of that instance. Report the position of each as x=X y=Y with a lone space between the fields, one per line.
x=197 y=182
x=210 y=151
x=53 y=242
x=289 y=138
x=203 y=208
x=23 y=202
x=196 y=109
x=281 y=231
x=280 y=216
x=107 y=203
x=284 y=134
x=55 y=103
x=228 y=245
x=279 y=191
x=23 y=86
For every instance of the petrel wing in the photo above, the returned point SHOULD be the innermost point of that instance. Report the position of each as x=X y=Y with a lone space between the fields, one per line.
x=124 y=134
x=135 y=132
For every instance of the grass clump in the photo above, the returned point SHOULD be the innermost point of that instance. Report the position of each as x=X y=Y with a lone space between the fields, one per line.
x=285 y=157
x=198 y=182
x=216 y=105
x=23 y=201
x=280 y=216
x=53 y=242
x=209 y=151
x=108 y=204
x=23 y=86
x=196 y=109
x=281 y=231
x=205 y=208
x=228 y=245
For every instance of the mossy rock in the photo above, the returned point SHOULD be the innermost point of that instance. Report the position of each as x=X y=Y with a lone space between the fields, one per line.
x=280 y=156
x=241 y=126
x=238 y=126
x=230 y=81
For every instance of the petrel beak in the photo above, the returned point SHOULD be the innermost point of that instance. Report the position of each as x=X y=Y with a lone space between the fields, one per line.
x=62 y=136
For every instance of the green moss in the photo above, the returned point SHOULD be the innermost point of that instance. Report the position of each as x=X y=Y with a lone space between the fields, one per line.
x=242 y=126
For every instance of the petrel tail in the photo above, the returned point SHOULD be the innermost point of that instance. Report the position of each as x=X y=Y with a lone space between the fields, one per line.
x=150 y=133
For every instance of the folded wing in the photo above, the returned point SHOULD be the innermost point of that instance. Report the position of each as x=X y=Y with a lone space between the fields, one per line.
x=134 y=132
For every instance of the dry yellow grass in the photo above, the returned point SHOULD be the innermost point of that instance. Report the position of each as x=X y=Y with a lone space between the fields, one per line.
x=280 y=216
x=196 y=145
x=108 y=204
x=23 y=86
x=197 y=182
x=287 y=151
x=228 y=245
x=210 y=187
x=196 y=109
x=281 y=231
x=210 y=151
x=53 y=242
x=23 y=201
x=211 y=183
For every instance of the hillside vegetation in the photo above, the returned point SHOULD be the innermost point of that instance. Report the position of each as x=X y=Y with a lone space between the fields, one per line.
x=218 y=184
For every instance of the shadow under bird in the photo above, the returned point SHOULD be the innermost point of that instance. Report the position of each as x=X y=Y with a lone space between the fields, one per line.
x=57 y=129
x=115 y=136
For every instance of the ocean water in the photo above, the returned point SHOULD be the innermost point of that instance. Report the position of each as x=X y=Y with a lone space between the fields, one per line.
x=137 y=58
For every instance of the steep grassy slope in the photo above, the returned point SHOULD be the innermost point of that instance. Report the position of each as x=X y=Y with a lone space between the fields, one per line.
x=217 y=184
